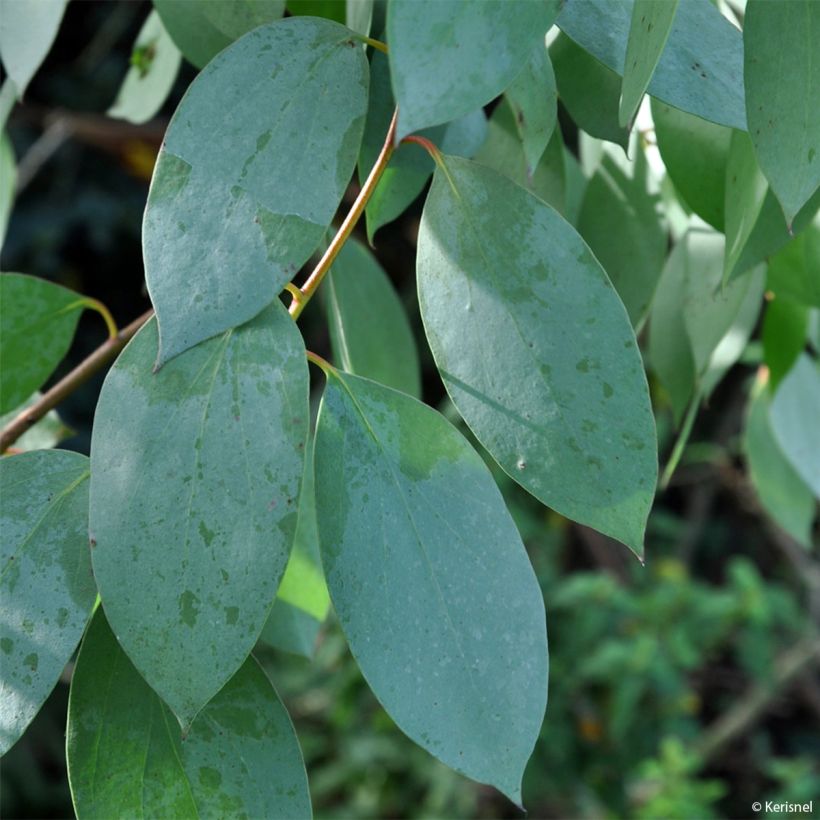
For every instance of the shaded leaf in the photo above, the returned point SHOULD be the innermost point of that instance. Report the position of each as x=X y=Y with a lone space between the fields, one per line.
x=46 y=433
x=46 y=587
x=369 y=330
x=238 y=201
x=536 y=350
x=330 y=9
x=37 y=324
x=126 y=757
x=649 y=30
x=700 y=70
x=782 y=74
x=449 y=57
x=794 y=413
x=155 y=63
x=784 y=336
x=430 y=580
x=533 y=98
x=8 y=181
x=793 y=271
x=202 y=30
x=203 y=463
x=359 y=16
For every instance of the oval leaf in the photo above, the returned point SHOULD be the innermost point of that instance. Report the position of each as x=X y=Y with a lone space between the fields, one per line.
x=782 y=77
x=126 y=757
x=536 y=349
x=46 y=587
x=369 y=330
x=202 y=463
x=449 y=57
x=700 y=70
x=430 y=580
x=238 y=201
x=37 y=324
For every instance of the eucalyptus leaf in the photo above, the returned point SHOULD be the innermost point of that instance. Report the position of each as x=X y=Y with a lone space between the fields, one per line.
x=648 y=32
x=794 y=413
x=27 y=32
x=785 y=328
x=449 y=57
x=238 y=201
x=127 y=758
x=369 y=330
x=46 y=586
x=202 y=29
x=430 y=580
x=37 y=324
x=782 y=76
x=793 y=270
x=46 y=433
x=330 y=9
x=536 y=350
x=154 y=67
x=589 y=91
x=8 y=181
x=700 y=70
x=203 y=462
x=783 y=494
x=359 y=16
x=533 y=98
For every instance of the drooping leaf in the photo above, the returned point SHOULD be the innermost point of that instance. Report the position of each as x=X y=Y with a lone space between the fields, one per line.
x=369 y=330
x=45 y=434
x=536 y=350
x=202 y=30
x=794 y=413
x=589 y=91
x=27 y=32
x=620 y=222
x=793 y=271
x=670 y=354
x=8 y=181
x=695 y=153
x=410 y=166
x=37 y=324
x=745 y=192
x=302 y=600
x=700 y=70
x=126 y=756
x=359 y=16
x=46 y=586
x=155 y=63
x=450 y=57
x=503 y=151
x=784 y=336
x=783 y=494
x=430 y=580
x=203 y=462
x=533 y=98
x=782 y=74
x=649 y=30
x=238 y=201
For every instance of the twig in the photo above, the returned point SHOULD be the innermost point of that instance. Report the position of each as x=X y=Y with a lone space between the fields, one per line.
x=69 y=383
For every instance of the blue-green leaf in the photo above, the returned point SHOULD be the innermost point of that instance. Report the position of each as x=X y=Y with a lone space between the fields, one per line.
x=701 y=68
x=430 y=580
x=126 y=756
x=238 y=201
x=449 y=57
x=536 y=350
x=369 y=330
x=46 y=587
x=202 y=462
x=782 y=77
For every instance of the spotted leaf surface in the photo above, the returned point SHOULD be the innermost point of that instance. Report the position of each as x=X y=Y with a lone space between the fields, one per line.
x=430 y=580
x=202 y=462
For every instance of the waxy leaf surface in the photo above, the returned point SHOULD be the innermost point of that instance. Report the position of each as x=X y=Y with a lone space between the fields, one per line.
x=37 y=324
x=782 y=77
x=430 y=580
x=126 y=757
x=536 y=350
x=369 y=330
x=239 y=200
x=450 y=57
x=46 y=587
x=202 y=463
x=701 y=68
